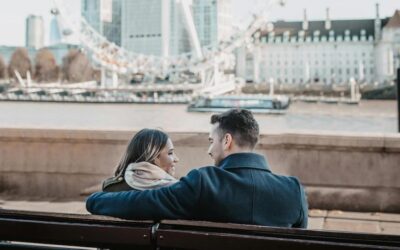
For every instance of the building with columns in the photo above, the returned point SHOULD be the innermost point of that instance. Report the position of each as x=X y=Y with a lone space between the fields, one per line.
x=326 y=51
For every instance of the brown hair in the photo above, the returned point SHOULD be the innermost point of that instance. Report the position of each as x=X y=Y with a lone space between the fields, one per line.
x=146 y=145
x=240 y=123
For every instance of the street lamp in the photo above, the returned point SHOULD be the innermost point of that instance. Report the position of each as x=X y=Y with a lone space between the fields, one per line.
x=398 y=98
x=398 y=89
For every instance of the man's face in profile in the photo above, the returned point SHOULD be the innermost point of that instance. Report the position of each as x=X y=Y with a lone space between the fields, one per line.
x=215 y=150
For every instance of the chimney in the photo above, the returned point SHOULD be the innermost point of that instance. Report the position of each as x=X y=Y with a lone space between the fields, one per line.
x=305 y=20
x=377 y=27
x=328 y=24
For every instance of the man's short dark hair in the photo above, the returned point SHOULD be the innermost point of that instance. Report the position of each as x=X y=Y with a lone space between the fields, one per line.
x=240 y=123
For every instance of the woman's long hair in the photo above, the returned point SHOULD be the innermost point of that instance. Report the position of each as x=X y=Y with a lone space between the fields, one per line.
x=146 y=145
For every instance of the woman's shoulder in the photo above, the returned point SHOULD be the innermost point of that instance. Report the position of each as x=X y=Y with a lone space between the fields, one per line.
x=115 y=184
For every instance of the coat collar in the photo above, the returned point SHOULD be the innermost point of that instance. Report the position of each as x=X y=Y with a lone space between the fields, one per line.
x=244 y=160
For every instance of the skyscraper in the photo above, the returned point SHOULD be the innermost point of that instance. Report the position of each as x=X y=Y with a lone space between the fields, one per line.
x=142 y=29
x=55 y=33
x=179 y=37
x=156 y=27
x=213 y=20
x=105 y=17
x=34 y=32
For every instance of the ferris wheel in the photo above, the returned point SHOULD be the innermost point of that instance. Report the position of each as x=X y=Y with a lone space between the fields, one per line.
x=209 y=63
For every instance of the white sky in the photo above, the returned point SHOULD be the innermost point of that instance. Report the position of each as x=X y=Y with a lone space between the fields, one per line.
x=14 y=12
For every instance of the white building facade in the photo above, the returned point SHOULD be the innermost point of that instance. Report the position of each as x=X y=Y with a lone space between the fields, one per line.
x=34 y=32
x=329 y=51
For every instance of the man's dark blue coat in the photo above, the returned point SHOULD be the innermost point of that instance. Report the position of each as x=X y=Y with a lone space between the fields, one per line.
x=241 y=189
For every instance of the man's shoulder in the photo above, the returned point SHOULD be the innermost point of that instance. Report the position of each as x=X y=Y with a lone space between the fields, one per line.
x=293 y=180
x=202 y=170
x=289 y=178
x=205 y=172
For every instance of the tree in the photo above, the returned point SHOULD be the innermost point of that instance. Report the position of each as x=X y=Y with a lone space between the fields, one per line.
x=3 y=68
x=46 y=69
x=76 y=67
x=20 y=62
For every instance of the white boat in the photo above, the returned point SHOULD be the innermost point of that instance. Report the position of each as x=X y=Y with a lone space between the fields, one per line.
x=256 y=103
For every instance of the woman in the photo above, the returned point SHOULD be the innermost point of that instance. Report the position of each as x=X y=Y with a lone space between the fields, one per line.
x=148 y=163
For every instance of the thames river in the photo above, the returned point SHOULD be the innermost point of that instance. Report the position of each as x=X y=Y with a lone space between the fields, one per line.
x=367 y=117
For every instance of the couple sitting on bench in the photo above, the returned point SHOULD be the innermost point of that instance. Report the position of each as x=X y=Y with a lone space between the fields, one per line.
x=240 y=188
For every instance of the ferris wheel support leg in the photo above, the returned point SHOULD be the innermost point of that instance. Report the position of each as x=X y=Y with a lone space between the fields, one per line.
x=208 y=77
x=203 y=77
x=19 y=77
x=28 y=79
x=191 y=28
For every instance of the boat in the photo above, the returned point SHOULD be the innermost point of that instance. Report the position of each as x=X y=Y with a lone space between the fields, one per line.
x=276 y=104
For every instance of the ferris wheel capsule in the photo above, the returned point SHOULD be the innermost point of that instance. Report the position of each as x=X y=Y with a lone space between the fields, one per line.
x=54 y=11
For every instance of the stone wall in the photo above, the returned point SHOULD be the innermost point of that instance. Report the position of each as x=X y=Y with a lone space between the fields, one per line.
x=348 y=172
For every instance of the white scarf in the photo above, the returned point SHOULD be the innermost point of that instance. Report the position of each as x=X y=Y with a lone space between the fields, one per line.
x=143 y=175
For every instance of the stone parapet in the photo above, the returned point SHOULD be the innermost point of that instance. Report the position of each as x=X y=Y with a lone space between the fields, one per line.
x=341 y=171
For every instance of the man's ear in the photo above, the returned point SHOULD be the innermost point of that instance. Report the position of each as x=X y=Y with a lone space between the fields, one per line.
x=227 y=141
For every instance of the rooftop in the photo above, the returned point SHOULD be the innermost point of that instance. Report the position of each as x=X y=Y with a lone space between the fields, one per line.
x=350 y=27
x=394 y=21
x=339 y=27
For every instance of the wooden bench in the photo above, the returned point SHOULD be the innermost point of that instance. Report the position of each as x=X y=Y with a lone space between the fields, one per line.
x=30 y=230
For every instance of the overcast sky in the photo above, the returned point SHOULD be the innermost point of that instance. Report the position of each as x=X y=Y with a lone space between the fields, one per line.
x=14 y=12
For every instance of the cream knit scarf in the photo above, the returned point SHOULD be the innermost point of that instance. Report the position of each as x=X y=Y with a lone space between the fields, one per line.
x=143 y=175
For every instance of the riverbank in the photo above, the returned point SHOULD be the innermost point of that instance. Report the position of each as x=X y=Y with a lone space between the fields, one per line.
x=367 y=117
x=367 y=91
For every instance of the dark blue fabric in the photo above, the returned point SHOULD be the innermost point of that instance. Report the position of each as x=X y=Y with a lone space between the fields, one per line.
x=241 y=189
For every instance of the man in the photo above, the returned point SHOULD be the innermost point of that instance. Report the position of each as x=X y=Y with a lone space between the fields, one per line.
x=240 y=188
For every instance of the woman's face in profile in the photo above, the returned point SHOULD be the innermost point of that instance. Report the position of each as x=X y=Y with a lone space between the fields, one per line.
x=167 y=158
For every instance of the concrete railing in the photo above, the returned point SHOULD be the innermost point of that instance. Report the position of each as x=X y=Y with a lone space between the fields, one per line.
x=349 y=172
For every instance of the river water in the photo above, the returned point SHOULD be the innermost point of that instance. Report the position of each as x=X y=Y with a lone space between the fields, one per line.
x=367 y=117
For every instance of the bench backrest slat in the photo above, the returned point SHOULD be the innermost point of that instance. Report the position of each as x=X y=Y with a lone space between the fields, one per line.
x=106 y=232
